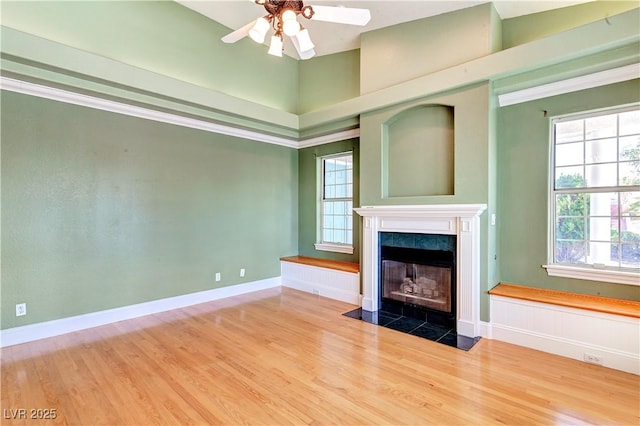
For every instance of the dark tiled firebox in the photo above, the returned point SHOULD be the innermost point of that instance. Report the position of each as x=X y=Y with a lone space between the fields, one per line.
x=415 y=327
x=430 y=315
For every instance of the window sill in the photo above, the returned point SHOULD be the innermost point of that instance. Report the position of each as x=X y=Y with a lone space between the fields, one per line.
x=588 y=273
x=338 y=248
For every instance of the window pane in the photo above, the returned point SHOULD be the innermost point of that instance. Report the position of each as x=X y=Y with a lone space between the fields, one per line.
x=599 y=175
x=329 y=165
x=570 y=154
x=330 y=178
x=600 y=253
x=630 y=206
x=629 y=173
x=630 y=254
x=603 y=204
x=570 y=228
x=603 y=126
x=570 y=252
x=328 y=208
x=328 y=221
x=330 y=191
x=600 y=229
x=569 y=131
x=571 y=204
x=630 y=122
x=601 y=151
x=630 y=147
x=569 y=177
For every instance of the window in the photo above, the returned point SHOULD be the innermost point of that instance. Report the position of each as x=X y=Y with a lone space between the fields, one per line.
x=336 y=203
x=596 y=196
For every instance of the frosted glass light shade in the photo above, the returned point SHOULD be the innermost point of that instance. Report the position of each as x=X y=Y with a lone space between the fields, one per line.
x=304 y=41
x=290 y=25
x=259 y=30
x=275 y=48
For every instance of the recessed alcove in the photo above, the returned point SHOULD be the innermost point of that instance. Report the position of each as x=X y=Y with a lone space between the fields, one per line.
x=418 y=152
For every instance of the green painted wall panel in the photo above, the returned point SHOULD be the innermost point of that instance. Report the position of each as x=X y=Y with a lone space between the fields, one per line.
x=471 y=127
x=101 y=210
x=309 y=198
x=523 y=188
x=400 y=53
x=523 y=29
x=328 y=79
x=164 y=37
x=427 y=131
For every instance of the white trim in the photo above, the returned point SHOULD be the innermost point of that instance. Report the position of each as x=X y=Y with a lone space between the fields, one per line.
x=462 y=220
x=589 y=81
x=69 y=97
x=43 y=330
x=338 y=248
x=333 y=137
x=594 y=274
x=74 y=98
x=565 y=331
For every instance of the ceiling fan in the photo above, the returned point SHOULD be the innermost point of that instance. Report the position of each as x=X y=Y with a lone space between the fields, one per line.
x=282 y=16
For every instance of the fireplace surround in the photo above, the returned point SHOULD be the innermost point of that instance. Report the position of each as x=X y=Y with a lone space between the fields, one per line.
x=461 y=220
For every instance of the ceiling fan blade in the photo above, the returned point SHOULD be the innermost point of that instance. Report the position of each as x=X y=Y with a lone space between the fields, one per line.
x=239 y=34
x=341 y=15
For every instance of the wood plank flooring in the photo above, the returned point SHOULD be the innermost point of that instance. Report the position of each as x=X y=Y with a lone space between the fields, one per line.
x=282 y=356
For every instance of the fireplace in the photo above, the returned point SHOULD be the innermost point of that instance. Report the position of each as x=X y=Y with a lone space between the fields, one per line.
x=461 y=222
x=418 y=283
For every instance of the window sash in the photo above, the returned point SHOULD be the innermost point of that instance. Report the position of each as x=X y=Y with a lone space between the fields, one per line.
x=336 y=200
x=590 y=224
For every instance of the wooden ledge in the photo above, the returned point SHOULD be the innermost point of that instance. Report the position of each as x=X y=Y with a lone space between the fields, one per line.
x=627 y=308
x=324 y=263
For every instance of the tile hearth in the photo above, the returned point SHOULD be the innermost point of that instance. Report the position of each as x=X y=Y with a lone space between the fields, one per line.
x=415 y=327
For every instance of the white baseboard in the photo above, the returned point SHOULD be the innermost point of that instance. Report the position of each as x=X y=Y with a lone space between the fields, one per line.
x=569 y=332
x=334 y=284
x=31 y=332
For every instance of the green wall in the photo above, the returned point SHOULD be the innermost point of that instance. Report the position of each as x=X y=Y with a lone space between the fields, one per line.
x=410 y=50
x=327 y=80
x=523 y=29
x=101 y=210
x=164 y=37
x=308 y=199
x=523 y=187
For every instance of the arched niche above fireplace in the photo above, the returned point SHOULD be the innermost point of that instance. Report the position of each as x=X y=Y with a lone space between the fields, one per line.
x=418 y=152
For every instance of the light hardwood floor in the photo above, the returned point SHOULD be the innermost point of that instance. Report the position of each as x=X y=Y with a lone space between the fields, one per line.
x=281 y=356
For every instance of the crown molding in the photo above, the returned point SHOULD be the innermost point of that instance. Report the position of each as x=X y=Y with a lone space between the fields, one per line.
x=602 y=78
x=46 y=92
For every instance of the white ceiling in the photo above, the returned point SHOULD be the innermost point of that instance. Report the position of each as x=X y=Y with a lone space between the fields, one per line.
x=332 y=38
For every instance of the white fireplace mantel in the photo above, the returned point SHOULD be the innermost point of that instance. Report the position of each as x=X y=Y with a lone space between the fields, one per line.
x=462 y=220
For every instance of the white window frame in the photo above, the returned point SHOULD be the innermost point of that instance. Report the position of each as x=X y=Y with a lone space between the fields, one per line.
x=628 y=276
x=328 y=245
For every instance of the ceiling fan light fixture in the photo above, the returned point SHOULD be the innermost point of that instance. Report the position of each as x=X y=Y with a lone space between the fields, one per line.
x=259 y=30
x=275 y=48
x=304 y=41
x=290 y=24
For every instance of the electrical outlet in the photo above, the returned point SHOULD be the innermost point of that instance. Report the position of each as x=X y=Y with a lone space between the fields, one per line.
x=593 y=359
x=218 y=277
x=21 y=309
x=242 y=272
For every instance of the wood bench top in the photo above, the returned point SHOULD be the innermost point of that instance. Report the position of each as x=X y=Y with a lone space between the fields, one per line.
x=324 y=263
x=628 y=308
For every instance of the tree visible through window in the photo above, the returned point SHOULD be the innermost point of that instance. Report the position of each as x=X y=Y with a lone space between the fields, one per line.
x=337 y=200
x=596 y=189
